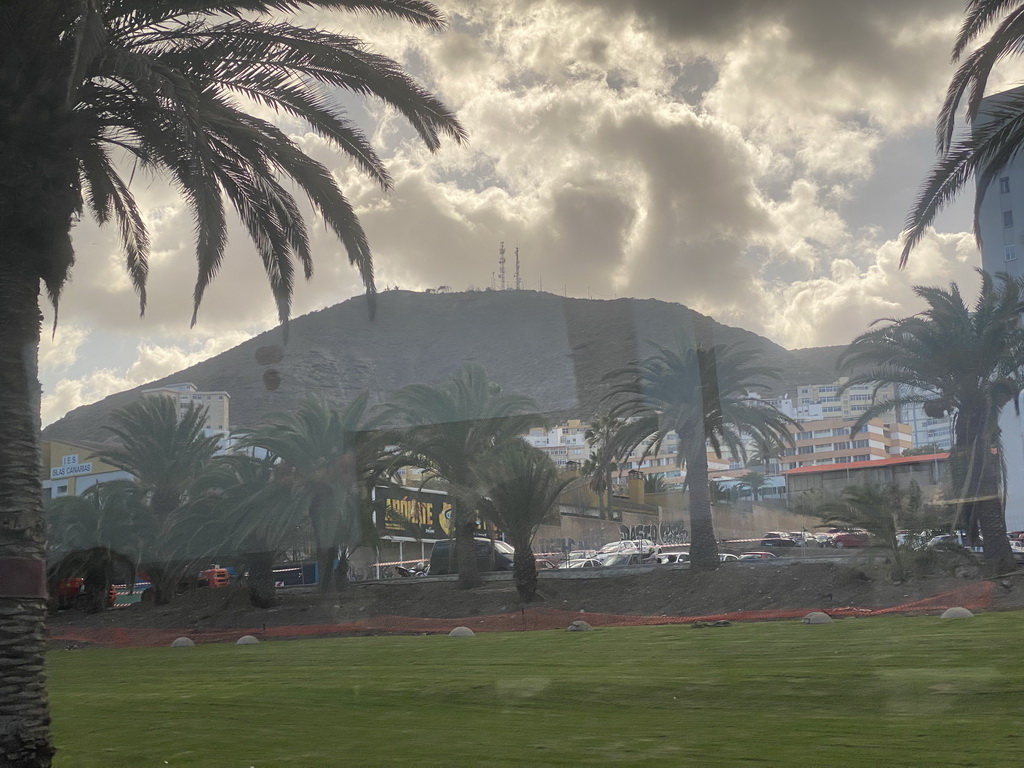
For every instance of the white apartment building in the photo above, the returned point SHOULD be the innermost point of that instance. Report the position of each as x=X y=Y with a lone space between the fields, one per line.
x=217 y=405
x=566 y=442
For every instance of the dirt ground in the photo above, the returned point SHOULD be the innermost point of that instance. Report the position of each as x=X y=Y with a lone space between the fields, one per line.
x=661 y=592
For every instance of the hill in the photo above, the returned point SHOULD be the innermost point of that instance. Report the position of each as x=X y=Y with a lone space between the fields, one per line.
x=551 y=348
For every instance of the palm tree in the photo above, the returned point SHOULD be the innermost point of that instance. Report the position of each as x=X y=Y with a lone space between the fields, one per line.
x=257 y=518
x=979 y=156
x=523 y=487
x=882 y=511
x=327 y=460
x=167 y=456
x=602 y=435
x=702 y=394
x=655 y=483
x=164 y=84
x=960 y=361
x=449 y=430
x=754 y=481
x=95 y=535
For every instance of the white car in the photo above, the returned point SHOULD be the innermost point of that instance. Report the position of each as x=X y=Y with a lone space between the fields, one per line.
x=643 y=547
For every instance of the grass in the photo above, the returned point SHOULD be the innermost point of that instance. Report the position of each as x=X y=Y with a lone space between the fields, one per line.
x=893 y=691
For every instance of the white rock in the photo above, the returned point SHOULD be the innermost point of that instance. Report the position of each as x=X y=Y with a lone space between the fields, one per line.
x=816 y=617
x=246 y=640
x=957 y=613
x=182 y=642
x=461 y=632
x=580 y=626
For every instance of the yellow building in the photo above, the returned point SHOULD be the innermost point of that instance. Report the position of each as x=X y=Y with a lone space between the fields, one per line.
x=69 y=469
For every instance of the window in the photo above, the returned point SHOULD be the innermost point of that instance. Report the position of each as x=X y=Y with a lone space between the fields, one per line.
x=1009 y=253
x=804 y=435
x=840 y=431
x=1007 y=219
x=1004 y=185
x=860 y=443
x=805 y=449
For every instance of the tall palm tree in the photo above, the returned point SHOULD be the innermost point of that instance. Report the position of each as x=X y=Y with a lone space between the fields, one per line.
x=960 y=361
x=167 y=456
x=164 y=84
x=449 y=429
x=327 y=459
x=702 y=394
x=978 y=156
x=755 y=482
x=523 y=486
x=602 y=435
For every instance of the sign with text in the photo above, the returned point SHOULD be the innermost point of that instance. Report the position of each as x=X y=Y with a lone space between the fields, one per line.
x=415 y=514
x=70 y=467
x=409 y=513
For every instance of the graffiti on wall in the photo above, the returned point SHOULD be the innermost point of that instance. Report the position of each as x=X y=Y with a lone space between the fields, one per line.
x=659 y=533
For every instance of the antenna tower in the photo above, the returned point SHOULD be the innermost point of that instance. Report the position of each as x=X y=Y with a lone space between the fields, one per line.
x=519 y=283
x=501 y=267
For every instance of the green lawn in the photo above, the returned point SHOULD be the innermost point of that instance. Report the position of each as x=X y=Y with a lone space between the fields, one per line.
x=875 y=692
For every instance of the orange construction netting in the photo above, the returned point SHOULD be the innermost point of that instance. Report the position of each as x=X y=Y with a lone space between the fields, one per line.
x=973 y=597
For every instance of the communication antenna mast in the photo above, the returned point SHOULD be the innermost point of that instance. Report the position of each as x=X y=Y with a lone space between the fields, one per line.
x=501 y=267
x=519 y=282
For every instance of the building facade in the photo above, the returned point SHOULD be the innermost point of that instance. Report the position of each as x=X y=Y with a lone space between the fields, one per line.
x=186 y=395
x=69 y=469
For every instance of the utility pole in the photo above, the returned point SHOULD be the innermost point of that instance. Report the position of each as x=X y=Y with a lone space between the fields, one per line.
x=501 y=267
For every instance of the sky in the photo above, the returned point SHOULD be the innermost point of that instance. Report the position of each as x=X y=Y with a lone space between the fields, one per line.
x=752 y=159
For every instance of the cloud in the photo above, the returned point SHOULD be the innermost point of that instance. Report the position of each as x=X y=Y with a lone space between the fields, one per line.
x=151 y=361
x=733 y=156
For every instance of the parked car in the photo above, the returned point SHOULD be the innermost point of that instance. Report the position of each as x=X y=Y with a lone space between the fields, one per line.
x=590 y=562
x=849 y=539
x=804 y=538
x=776 y=539
x=726 y=557
x=622 y=558
x=545 y=563
x=671 y=558
x=669 y=553
x=758 y=556
x=643 y=547
x=579 y=554
x=490 y=556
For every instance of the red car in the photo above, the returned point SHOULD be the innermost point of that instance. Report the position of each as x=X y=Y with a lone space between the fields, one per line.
x=850 y=539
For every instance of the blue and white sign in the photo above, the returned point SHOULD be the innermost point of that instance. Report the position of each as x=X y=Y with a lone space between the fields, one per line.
x=70 y=467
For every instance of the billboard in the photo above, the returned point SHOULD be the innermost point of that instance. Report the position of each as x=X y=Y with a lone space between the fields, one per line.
x=415 y=514
x=412 y=514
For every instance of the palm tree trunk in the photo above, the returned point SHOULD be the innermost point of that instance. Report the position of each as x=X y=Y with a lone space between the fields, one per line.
x=325 y=573
x=24 y=710
x=608 y=493
x=704 y=547
x=524 y=571
x=975 y=473
x=260 y=566
x=465 y=545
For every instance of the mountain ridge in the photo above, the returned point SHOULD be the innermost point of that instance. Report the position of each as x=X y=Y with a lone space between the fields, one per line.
x=552 y=348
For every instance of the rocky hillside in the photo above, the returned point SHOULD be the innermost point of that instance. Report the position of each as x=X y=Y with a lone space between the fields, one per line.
x=554 y=349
